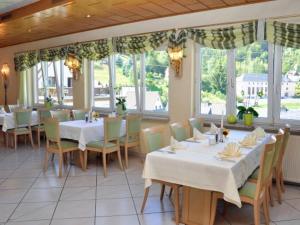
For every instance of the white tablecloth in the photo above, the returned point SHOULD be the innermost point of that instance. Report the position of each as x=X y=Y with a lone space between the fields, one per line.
x=197 y=166
x=83 y=132
x=8 y=122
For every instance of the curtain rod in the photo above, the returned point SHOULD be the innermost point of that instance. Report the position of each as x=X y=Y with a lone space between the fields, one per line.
x=203 y=26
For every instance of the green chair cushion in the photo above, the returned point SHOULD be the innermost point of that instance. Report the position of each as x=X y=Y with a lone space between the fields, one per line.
x=180 y=133
x=130 y=139
x=255 y=174
x=21 y=130
x=100 y=144
x=248 y=190
x=66 y=144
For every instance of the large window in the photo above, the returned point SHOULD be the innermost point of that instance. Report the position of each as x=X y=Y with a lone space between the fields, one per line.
x=290 y=84
x=213 y=70
x=251 y=63
x=142 y=79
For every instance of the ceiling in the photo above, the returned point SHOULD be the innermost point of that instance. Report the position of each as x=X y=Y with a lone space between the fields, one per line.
x=50 y=18
x=9 y=5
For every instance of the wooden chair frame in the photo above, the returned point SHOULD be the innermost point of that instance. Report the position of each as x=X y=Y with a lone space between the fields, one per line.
x=106 y=150
x=40 y=129
x=261 y=194
x=175 y=187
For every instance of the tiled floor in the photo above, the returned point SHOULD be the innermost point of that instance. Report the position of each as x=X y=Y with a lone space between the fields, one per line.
x=30 y=197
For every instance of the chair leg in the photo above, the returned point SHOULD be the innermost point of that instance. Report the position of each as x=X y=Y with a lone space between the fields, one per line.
x=170 y=193
x=6 y=139
x=15 y=140
x=162 y=191
x=176 y=193
x=119 y=159
x=61 y=159
x=104 y=164
x=213 y=209
x=278 y=188
x=266 y=210
x=39 y=137
x=81 y=158
x=271 y=194
x=126 y=155
x=281 y=181
x=145 y=199
x=256 y=212
x=46 y=161
x=31 y=140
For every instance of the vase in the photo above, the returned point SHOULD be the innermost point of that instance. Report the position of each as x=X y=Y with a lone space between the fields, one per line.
x=248 y=119
x=48 y=105
x=120 y=110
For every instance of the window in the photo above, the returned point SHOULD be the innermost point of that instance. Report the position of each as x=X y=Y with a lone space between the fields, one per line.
x=101 y=82
x=290 y=84
x=213 y=83
x=55 y=80
x=251 y=64
x=156 y=81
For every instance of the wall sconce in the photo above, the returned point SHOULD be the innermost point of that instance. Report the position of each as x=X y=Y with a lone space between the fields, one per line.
x=5 y=72
x=176 y=55
x=74 y=65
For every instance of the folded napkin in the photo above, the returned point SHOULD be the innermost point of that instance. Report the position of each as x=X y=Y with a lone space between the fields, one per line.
x=249 y=140
x=174 y=144
x=213 y=128
x=259 y=132
x=232 y=150
x=197 y=135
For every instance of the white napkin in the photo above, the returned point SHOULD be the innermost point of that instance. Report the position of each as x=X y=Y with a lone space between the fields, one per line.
x=259 y=132
x=2 y=110
x=213 y=128
x=174 y=144
x=249 y=140
x=197 y=135
x=232 y=150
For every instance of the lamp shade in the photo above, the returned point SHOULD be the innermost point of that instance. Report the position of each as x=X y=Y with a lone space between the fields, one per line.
x=5 y=69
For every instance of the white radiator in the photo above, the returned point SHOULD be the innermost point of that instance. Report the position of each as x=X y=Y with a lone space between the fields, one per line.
x=291 y=163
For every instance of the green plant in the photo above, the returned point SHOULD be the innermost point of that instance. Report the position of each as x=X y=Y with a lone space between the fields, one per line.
x=243 y=110
x=121 y=101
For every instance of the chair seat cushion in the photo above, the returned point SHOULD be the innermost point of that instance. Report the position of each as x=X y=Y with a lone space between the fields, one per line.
x=41 y=127
x=66 y=144
x=100 y=144
x=21 y=130
x=248 y=190
x=255 y=174
x=130 y=139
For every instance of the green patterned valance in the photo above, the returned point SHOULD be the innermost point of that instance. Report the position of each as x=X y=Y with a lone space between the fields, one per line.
x=54 y=54
x=284 y=34
x=225 y=38
x=94 y=50
x=178 y=39
x=24 y=61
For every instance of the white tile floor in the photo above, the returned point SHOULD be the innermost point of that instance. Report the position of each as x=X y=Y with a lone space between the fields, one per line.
x=30 y=197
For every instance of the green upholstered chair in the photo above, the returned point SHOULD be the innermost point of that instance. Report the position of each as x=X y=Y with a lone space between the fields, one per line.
x=132 y=137
x=152 y=140
x=22 y=119
x=61 y=115
x=254 y=193
x=79 y=114
x=279 y=168
x=43 y=115
x=111 y=142
x=179 y=131
x=54 y=144
x=197 y=123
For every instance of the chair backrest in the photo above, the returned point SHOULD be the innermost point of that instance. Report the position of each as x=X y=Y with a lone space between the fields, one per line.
x=61 y=115
x=197 y=123
x=52 y=130
x=22 y=118
x=133 y=125
x=12 y=108
x=179 y=131
x=43 y=115
x=278 y=146
x=112 y=128
x=286 y=136
x=153 y=138
x=265 y=171
x=79 y=114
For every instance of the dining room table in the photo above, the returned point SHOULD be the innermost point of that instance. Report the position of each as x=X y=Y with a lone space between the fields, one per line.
x=199 y=169
x=7 y=120
x=85 y=132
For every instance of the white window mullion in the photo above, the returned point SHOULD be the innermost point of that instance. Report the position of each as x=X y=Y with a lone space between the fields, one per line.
x=197 y=80
x=136 y=84
x=112 y=81
x=271 y=88
x=142 y=87
x=231 y=83
x=277 y=83
x=61 y=64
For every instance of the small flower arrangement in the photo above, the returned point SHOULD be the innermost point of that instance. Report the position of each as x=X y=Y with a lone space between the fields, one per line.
x=49 y=101
x=121 y=101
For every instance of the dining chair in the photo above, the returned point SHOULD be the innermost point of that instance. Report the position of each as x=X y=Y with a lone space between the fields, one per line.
x=43 y=114
x=61 y=115
x=275 y=168
x=79 y=114
x=153 y=140
x=179 y=131
x=197 y=123
x=12 y=108
x=110 y=144
x=132 y=137
x=22 y=119
x=54 y=144
x=254 y=193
